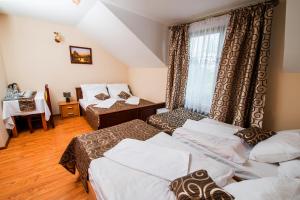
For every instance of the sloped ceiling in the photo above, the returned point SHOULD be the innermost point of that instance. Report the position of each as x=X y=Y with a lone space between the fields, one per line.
x=153 y=34
x=176 y=11
x=102 y=25
x=163 y=11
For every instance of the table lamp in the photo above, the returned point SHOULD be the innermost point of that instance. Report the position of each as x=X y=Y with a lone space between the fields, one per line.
x=67 y=95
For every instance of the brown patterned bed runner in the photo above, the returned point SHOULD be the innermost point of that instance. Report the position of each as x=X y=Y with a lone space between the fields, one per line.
x=169 y=121
x=85 y=148
x=92 y=113
x=27 y=104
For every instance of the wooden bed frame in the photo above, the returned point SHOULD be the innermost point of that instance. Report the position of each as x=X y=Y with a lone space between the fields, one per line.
x=114 y=118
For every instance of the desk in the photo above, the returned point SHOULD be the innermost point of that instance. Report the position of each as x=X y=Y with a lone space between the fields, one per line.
x=11 y=110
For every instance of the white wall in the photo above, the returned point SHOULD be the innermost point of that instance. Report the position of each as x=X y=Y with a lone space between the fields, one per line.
x=32 y=58
x=282 y=104
x=292 y=40
x=151 y=33
x=148 y=83
x=3 y=84
x=3 y=80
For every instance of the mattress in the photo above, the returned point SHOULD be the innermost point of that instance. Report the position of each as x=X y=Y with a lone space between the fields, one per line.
x=171 y=120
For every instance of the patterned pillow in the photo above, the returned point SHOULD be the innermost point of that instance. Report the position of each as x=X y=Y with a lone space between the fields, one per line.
x=102 y=96
x=198 y=186
x=124 y=95
x=254 y=135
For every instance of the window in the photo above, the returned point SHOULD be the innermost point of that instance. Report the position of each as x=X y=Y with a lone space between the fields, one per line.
x=206 y=44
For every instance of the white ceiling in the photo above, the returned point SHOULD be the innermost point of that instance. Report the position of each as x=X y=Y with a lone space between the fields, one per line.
x=61 y=11
x=164 y=11
x=175 y=11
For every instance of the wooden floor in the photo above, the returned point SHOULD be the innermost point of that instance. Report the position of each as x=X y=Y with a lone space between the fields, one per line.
x=29 y=167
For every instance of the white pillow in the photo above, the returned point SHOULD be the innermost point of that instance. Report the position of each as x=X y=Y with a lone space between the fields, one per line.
x=89 y=91
x=281 y=147
x=279 y=188
x=115 y=89
x=213 y=121
x=289 y=169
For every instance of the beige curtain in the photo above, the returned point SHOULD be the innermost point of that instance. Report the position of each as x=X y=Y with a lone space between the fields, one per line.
x=177 y=66
x=240 y=92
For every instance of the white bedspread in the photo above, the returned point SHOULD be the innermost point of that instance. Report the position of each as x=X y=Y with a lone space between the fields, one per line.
x=106 y=103
x=114 y=181
x=133 y=100
x=229 y=147
x=11 y=108
x=248 y=170
x=84 y=103
x=165 y=163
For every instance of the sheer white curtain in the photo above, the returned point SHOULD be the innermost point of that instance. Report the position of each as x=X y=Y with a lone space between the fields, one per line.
x=206 y=44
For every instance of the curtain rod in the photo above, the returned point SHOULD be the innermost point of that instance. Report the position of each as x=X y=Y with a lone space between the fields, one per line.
x=275 y=2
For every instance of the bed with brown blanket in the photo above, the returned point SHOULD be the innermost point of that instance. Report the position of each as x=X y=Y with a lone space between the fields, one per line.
x=120 y=112
x=87 y=147
x=171 y=120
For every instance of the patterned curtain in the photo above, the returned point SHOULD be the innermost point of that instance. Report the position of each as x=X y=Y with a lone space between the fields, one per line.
x=178 y=66
x=240 y=91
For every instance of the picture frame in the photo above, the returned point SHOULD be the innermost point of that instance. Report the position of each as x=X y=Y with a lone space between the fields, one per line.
x=81 y=55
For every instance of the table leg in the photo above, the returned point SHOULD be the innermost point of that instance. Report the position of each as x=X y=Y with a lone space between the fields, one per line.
x=29 y=123
x=44 y=122
x=14 y=130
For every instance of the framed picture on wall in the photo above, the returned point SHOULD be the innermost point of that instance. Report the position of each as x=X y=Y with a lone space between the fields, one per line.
x=81 y=55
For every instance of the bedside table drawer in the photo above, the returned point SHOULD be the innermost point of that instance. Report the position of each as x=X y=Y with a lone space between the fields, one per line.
x=70 y=110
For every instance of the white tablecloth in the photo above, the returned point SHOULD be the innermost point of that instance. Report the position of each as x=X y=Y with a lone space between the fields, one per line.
x=11 y=108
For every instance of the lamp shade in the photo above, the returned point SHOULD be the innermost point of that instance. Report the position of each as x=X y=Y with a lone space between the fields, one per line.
x=67 y=94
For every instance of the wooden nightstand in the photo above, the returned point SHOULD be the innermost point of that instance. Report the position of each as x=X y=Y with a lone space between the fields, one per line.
x=69 y=109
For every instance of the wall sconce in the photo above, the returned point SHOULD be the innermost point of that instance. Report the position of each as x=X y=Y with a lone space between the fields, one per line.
x=58 y=37
x=77 y=2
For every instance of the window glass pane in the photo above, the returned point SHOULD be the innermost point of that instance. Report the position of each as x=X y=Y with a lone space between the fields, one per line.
x=206 y=43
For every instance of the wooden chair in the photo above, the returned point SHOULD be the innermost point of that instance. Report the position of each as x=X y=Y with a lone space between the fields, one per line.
x=48 y=100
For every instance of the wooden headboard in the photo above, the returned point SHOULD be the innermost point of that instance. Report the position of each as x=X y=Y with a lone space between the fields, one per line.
x=78 y=93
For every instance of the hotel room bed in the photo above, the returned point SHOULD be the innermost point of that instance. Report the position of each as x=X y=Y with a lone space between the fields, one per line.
x=171 y=120
x=87 y=147
x=112 y=178
x=118 y=113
